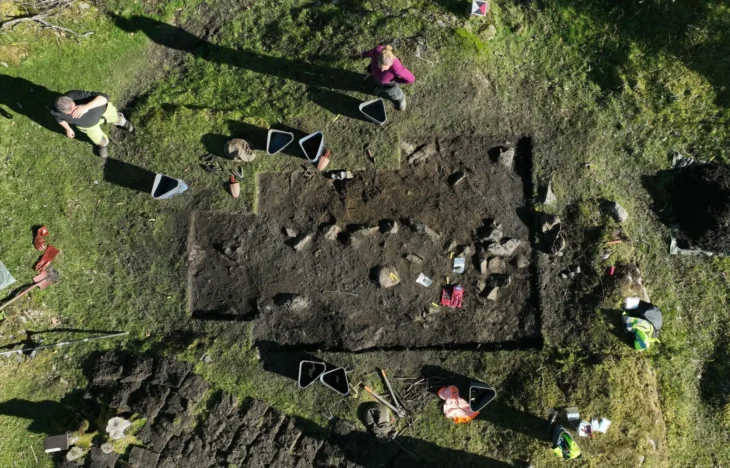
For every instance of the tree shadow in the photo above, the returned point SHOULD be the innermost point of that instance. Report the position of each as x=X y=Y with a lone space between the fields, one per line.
x=309 y=74
x=284 y=362
x=497 y=412
x=658 y=27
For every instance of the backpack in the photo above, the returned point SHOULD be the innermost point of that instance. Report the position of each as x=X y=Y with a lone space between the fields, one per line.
x=563 y=444
x=644 y=322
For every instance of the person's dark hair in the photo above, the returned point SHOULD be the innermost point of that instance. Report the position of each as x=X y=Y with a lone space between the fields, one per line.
x=64 y=104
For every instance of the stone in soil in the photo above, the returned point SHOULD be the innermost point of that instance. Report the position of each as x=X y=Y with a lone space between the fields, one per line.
x=332 y=232
x=302 y=243
x=521 y=261
x=413 y=258
x=503 y=249
x=491 y=233
x=550 y=197
x=423 y=153
x=618 y=212
x=387 y=276
x=497 y=265
x=506 y=158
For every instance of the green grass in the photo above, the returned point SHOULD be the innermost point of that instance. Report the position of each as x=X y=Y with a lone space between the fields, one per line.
x=619 y=86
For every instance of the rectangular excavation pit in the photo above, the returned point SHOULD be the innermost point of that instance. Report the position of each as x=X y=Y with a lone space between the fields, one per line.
x=305 y=285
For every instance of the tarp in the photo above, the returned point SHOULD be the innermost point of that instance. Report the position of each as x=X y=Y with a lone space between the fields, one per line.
x=6 y=279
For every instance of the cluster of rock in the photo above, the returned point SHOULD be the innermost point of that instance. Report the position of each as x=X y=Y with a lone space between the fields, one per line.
x=495 y=251
x=352 y=237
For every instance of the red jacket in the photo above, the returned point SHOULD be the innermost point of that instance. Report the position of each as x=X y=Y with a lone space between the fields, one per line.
x=397 y=72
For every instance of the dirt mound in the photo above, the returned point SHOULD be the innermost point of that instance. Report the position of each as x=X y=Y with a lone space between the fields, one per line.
x=701 y=199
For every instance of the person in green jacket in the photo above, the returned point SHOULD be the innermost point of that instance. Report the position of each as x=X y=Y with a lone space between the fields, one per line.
x=563 y=444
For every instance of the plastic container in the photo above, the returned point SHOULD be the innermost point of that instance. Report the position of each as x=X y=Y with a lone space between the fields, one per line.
x=309 y=372
x=166 y=187
x=480 y=395
x=312 y=146
x=375 y=111
x=336 y=380
x=276 y=141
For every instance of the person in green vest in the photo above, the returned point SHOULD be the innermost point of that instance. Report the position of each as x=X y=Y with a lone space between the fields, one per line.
x=563 y=444
x=87 y=111
x=644 y=320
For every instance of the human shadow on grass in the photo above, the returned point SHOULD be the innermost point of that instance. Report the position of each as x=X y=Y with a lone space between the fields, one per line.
x=309 y=74
x=128 y=176
x=497 y=412
x=715 y=380
x=48 y=417
x=659 y=187
x=284 y=361
x=337 y=103
x=363 y=449
x=29 y=99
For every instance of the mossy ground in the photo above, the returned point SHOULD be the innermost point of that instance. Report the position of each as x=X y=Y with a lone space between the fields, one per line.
x=616 y=86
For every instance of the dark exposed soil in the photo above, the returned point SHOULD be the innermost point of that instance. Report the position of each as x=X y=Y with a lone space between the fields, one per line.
x=701 y=201
x=180 y=433
x=246 y=266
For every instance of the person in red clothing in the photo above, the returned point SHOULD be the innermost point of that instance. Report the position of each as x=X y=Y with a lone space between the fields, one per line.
x=388 y=73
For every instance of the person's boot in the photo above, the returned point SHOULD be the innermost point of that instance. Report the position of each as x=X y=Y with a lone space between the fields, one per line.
x=401 y=105
x=127 y=125
x=103 y=152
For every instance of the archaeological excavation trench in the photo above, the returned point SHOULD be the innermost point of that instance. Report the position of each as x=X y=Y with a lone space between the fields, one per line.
x=304 y=268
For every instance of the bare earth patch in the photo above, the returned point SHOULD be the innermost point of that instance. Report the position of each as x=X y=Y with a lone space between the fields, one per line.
x=305 y=283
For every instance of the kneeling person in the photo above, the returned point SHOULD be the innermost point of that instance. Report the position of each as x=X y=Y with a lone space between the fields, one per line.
x=87 y=111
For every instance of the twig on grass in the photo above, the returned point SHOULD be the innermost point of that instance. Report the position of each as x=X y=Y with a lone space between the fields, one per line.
x=43 y=10
x=41 y=19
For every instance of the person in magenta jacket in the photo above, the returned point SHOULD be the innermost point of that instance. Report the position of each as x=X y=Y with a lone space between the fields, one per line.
x=388 y=73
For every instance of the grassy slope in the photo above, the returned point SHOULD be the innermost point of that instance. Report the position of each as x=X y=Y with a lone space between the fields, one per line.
x=120 y=273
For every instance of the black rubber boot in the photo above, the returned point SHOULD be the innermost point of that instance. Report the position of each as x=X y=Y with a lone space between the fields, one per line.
x=401 y=105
